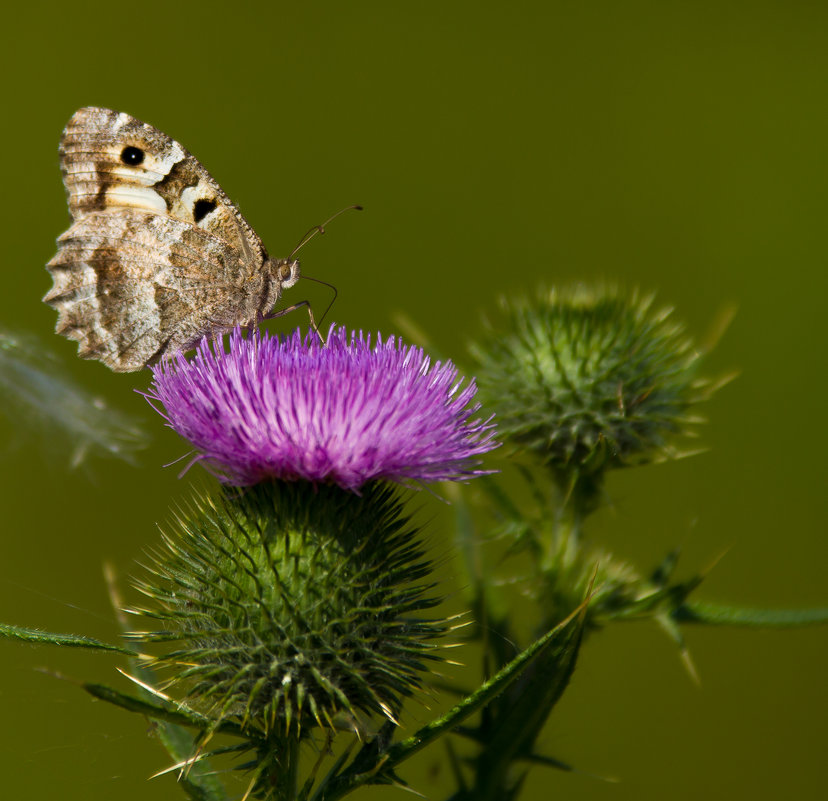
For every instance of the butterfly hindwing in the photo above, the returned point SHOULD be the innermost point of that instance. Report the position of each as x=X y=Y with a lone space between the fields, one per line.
x=132 y=285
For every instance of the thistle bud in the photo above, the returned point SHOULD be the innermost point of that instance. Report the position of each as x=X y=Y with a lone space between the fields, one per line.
x=286 y=606
x=589 y=380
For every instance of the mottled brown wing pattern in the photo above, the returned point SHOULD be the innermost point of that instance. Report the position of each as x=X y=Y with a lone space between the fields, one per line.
x=132 y=285
x=157 y=256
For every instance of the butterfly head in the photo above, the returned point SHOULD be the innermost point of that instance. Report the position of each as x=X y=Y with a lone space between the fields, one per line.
x=284 y=272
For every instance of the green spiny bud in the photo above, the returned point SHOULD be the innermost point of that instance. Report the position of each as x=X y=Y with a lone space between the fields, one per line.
x=288 y=605
x=590 y=379
x=614 y=585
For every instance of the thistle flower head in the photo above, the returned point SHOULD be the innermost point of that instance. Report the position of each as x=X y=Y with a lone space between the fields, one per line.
x=588 y=380
x=345 y=412
x=287 y=606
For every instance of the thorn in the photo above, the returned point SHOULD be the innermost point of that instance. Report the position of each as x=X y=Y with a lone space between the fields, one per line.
x=689 y=666
x=149 y=688
x=721 y=322
x=716 y=559
x=185 y=763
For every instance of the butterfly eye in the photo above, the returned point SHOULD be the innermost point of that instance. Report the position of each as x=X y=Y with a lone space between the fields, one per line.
x=132 y=156
x=202 y=208
x=284 y=271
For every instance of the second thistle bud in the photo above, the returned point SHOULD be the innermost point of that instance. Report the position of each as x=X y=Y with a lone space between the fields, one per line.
x=587 y=379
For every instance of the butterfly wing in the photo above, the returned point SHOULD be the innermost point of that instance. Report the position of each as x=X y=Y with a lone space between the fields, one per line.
x=133 y=285
x=157 y=256
x=111 y=160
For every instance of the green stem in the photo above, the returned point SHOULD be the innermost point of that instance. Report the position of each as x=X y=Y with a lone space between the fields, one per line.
x=714 y=614
x=563 y=546
x=66 y=640
x=580 y=496
x=292 y=776
x=166 y=712
x=523 y=711
x=278 y=770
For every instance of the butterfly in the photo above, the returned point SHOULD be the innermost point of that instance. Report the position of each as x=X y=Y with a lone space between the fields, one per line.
x=157 y=256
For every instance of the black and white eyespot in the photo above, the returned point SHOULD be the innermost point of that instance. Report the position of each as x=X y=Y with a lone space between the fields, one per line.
x=132 y=156
x=202 y=207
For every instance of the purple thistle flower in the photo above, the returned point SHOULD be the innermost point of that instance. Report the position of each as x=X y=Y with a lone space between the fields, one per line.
x=346 y=412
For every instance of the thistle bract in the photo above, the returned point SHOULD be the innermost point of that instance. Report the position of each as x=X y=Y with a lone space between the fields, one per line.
x=286 y=606
x=345 y=412
x=588 y=380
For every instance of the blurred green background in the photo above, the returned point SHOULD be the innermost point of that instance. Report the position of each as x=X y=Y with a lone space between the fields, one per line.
x=679 y=147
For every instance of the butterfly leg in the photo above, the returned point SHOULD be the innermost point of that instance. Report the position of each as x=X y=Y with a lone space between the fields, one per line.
x=288 y=309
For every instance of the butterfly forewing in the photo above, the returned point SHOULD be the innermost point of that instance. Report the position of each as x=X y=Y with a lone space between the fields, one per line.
x=111 y=160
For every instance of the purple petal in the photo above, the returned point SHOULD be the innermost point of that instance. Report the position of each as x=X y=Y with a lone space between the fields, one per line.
x=346 y=412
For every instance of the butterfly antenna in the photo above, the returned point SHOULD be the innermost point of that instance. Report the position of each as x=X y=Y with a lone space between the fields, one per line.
x=320 y=229
x=328 y=307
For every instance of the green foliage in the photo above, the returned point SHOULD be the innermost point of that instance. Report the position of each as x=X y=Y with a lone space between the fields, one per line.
x=289 y=613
